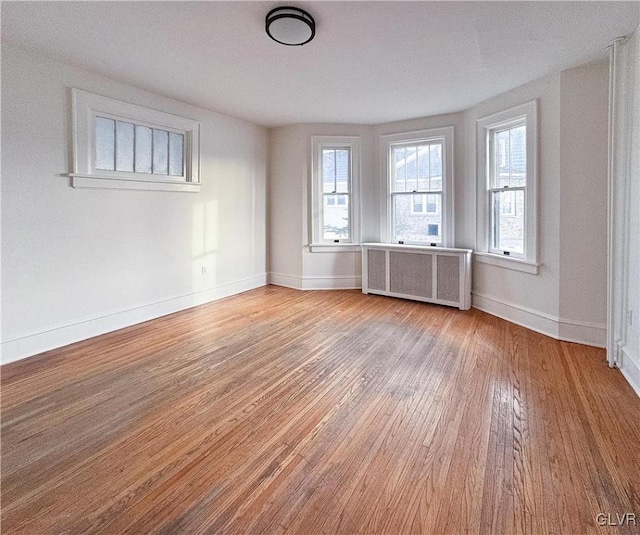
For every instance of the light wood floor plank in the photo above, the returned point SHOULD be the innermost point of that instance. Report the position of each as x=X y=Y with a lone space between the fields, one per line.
x=287 y=412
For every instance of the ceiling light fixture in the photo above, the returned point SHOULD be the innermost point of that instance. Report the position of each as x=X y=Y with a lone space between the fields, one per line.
x=290 y=26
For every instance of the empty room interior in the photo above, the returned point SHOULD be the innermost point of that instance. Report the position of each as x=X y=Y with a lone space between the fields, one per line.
x=320 y=267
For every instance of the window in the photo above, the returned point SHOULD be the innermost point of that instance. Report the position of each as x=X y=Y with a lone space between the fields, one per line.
x=507 y=188
x=419 y=178
x=335 y=189
x=120 y=145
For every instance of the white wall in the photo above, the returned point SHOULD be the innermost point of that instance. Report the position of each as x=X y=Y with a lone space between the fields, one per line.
x=525 y=298
x=572 y=113
x=567 y=298
x=291 y=261
x=583 y=198
x=287 y=171
x=79 y=262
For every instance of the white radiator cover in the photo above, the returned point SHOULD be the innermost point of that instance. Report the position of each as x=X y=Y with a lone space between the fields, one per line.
x=431 y=274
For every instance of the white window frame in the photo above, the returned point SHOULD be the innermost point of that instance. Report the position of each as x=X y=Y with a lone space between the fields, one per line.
x=387 y=141
x=87 y=106
x=485 y=128
x=352 y=243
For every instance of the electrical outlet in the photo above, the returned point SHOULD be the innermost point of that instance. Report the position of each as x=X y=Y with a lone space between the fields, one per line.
x=204 y=270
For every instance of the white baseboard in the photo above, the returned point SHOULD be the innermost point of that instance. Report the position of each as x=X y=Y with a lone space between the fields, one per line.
x=591 y=334
x=331 y=283
x=288 y=281
x=315 y=283
x=630 y=368
x=34 y=342
x=582 y=332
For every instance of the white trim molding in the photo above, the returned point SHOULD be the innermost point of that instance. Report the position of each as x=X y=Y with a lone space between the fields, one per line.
x=315 y=283
x=335 y=248
x=511 y=263
x=623 y=298
x=87 y=108
x=444 y=134
x=628 y=365
x=317 y=208
x=591 y=334
x=32 y=343
x=485 y=126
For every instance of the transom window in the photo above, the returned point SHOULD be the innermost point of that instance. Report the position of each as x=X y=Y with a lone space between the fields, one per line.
x=125 y=146
x=419 y=177
x=136 y=148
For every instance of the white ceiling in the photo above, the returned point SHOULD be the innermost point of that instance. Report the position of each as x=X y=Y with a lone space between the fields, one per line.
x=370 y=62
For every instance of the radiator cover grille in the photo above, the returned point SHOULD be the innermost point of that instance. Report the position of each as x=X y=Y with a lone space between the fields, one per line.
x=410 y=274
x=431 y=274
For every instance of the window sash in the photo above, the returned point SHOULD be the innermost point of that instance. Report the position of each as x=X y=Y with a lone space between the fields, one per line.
x=494 y=187
x=336 y=206
x=428 y=239
x=323 y=209
x=428 y=144
x=492 y=164
x=494 y=222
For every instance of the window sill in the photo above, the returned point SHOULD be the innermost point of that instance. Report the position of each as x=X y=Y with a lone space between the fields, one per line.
x=335 y=248
x=84 y=181
x=516 y=264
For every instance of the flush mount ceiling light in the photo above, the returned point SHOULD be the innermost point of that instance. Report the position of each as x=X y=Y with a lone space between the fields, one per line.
x=290 y=26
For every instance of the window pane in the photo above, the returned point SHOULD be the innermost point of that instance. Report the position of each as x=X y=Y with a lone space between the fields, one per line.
x=176 y=151
x=160 y=152
x=502 y=163
x=417 y=203
x=423 y=167
x=143 y=149
x=124 y=146
x=518 y=155
x=336 y=218
x=328 y=171
x=399 y=170
x=105 y=143
x=435 y=161
x=342 y=171
x=409 y=226
x=507 y=221
x=411 y=168
x=432 y=205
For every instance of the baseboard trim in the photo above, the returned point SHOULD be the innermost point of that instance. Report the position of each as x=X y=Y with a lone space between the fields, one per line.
x=288 y=281
x=32 y=343
x=331 y=283
x=591 y=334
x=315 y=283
x=630 y=368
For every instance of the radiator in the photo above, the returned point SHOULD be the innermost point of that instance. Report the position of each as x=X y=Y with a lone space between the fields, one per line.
x=432 y=274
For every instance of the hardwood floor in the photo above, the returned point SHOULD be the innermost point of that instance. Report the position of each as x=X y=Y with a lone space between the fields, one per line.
x=279 y=411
